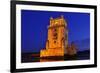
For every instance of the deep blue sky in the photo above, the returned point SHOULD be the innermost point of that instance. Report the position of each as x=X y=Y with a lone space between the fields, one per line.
x=34 y=28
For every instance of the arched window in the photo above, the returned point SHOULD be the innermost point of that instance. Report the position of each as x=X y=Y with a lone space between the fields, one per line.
x=62 y=42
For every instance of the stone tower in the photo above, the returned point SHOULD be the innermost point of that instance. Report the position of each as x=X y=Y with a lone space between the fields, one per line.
x=57 y=39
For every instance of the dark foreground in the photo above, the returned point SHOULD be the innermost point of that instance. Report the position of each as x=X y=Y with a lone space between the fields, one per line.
x=34 y=57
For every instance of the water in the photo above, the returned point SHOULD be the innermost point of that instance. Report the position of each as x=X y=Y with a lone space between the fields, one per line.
x=30 y=57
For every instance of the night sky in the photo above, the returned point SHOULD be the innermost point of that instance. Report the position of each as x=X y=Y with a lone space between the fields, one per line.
x=34 y=28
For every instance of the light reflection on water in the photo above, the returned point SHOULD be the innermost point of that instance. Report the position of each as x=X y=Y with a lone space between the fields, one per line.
x=49 y=60
x=29 y=58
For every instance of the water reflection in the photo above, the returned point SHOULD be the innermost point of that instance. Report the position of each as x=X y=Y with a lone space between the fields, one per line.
x=30 y=57
x=50 y=59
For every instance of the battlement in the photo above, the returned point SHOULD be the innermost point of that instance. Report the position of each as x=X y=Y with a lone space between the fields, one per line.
x=59 y=21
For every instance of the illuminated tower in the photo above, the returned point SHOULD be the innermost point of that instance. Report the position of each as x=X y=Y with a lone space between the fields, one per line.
x=57 y=39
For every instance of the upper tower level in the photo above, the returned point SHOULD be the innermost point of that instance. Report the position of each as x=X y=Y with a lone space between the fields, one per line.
x=60 y=21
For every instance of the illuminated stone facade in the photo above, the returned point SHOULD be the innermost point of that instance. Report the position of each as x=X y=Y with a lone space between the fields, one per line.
x=57 y=40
